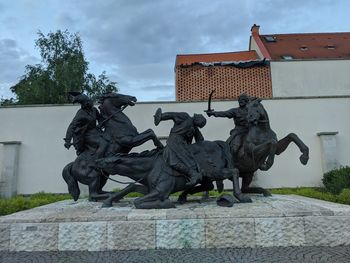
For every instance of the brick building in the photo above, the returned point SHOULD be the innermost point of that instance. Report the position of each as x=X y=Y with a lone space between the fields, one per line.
x=276 y=65
x=229 y=73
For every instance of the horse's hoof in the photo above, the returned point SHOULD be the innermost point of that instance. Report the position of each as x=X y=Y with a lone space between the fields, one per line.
x=182 y=199
x=304 y=159
x=263 y=167
x=92 y=199
x=267 y=193
x=74 y=192
x=106 y=204
x=73 y=187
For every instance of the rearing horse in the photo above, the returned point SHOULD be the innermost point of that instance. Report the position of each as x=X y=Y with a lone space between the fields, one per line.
x=261 y=145
x=117 y=126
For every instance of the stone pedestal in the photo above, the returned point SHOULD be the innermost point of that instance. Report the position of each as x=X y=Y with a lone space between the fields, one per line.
x=267 y=222
x=329 y=151
x=8 y=177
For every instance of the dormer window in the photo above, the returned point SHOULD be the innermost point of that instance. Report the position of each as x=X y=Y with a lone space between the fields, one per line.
x=288 y=57
x=270 y=38
x=331 y=47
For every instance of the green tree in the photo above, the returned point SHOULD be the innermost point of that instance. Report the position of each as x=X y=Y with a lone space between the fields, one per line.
x=63 y=68
x=95 y=87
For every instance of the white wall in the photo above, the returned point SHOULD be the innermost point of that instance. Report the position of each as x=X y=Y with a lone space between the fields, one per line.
x=254 y=46
x=42 y=155
x=310 y=78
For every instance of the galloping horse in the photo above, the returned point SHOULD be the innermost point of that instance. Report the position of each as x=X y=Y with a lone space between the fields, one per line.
x=260 y=146
x=119 y=134
x=158 y=180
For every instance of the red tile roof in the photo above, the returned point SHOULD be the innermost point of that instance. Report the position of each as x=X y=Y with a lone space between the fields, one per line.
x=309 y=45
x=216 y=57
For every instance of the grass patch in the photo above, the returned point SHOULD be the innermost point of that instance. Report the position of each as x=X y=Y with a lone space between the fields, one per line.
x=319 y=193
x=20 y=202
x=314 y=192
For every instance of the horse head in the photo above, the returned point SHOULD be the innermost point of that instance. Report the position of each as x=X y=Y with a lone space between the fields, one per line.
x=109 y=102
x=256 y=112
x=118 y=99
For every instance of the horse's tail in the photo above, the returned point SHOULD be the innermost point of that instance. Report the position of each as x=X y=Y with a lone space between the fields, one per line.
x=226 y=152
x=73 y=187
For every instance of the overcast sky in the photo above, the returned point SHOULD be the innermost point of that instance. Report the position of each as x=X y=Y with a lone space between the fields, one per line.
x=136 y=41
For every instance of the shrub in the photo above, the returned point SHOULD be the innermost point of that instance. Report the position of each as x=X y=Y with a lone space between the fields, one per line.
x=337 y=179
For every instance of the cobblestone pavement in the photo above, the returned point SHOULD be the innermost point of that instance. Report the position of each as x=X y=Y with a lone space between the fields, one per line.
x=276 y=254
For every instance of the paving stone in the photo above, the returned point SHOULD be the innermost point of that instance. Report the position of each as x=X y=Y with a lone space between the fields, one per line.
x=229 y=232
x=283 y=231
x=4 y=237
x=340 y=254
x=185 y=233
x=33 y=237
x=126 y=235
x=327 y=231
x=90 y=236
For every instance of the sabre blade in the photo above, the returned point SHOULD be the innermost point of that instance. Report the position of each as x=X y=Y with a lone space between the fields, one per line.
x=209 y=101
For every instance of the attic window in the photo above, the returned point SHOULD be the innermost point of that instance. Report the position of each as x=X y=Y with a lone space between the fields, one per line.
x=287 y=57
x=270 y=38
x=304 y=48
x=330 y=47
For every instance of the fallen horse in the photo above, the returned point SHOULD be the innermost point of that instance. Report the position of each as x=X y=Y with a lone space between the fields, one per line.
x=155 y=178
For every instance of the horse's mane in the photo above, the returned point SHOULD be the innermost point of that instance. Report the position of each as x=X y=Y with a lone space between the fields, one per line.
x=143 y=154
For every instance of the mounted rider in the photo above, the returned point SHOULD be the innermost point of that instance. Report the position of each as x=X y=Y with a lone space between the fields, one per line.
x=239 y=116
x=83 y=129
x=177 y=153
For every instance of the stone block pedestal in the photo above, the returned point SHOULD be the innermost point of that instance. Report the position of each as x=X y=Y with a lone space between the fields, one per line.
x=267 y=222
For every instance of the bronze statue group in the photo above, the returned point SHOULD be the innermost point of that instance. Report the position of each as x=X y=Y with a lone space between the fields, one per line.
x=104 y=137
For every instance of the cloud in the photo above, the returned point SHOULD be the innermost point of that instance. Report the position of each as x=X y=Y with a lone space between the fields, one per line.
x=66 y=20
x=136 y=32
x=137 y=41
x=12 y=64
x=157 y=87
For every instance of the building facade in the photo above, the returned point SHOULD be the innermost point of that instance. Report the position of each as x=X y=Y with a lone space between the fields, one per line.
x=276 y=65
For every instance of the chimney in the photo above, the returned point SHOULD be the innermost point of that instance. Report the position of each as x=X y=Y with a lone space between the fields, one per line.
x=255 y=29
